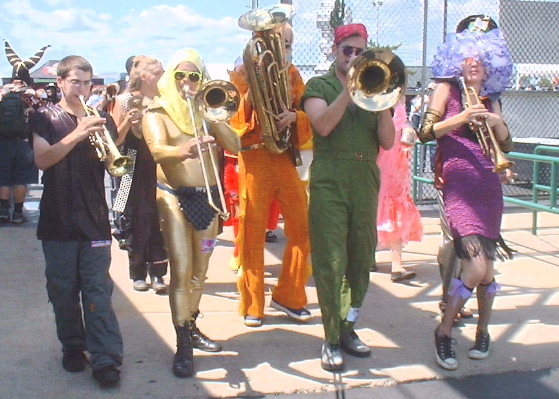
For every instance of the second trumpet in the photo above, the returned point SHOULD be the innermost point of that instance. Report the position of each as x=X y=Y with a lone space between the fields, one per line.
x=107 y=151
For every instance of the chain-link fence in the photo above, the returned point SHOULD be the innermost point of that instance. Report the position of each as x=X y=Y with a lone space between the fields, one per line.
x=418 y=27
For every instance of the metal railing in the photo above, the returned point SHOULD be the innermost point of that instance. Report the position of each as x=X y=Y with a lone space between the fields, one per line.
x=537 y=187
x=539 y=191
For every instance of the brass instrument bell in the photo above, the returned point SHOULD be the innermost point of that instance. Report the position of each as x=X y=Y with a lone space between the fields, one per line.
x=376 y=79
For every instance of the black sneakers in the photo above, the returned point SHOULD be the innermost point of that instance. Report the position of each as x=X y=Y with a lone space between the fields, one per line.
x=446 y=358
x=107 y=375
x=19 y=218
x=301 y=314
x=73 y=361
x=270 y=236
x=4 y=215
x=480 y=350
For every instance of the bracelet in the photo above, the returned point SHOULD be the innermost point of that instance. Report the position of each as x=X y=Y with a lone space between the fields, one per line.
x=426 y=130
x=507 y=144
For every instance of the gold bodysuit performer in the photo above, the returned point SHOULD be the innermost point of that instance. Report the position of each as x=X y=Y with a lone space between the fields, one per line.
x=189 y=225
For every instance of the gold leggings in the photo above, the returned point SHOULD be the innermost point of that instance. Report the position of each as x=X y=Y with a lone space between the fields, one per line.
x=189 y=252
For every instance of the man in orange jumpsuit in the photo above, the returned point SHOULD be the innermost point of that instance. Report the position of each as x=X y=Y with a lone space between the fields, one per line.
x=264 y=175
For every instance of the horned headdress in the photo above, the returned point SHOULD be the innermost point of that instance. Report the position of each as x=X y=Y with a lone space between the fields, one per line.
x=21 y=68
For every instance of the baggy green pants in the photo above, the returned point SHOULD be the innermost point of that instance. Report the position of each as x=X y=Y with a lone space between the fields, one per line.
x=342 y=227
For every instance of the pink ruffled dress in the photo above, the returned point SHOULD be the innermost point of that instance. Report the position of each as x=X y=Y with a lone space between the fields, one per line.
x=398 y=219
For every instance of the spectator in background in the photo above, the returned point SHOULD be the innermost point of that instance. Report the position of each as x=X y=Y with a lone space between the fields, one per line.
x=96 y=97
x=418 y=105
x=17 y=168
x=398 y=220
x=137 y=219
x=52 y=94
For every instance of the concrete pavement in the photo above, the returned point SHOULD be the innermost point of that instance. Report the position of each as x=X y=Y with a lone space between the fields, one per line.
x=281 y=359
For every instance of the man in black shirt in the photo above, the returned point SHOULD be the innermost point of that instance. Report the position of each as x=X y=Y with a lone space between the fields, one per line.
x=74 y=226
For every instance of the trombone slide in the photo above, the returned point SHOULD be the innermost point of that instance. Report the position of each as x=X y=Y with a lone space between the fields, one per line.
x=221 y=211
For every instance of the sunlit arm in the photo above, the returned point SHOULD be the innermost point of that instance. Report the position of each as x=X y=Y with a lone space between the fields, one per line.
x=225 y=136
x=324 y=118
x=155 y=134
x=385 y=129
x=47 y=155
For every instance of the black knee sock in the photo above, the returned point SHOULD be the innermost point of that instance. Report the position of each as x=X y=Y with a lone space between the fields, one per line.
x=18 y=207
x=4 y=203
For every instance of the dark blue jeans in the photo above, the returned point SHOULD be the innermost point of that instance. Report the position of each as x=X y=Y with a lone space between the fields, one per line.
x=74 y=268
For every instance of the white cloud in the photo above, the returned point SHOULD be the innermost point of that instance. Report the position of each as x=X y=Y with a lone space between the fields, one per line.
x=54 y=3
x=107 y=41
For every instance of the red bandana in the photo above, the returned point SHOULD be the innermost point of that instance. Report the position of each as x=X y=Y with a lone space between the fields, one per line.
x=343 y=31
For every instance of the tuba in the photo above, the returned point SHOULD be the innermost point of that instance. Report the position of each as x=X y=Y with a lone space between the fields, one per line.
x=267 y=73
x=116 y=164
x=376 y=79
x=216 y=101
x=484 y=133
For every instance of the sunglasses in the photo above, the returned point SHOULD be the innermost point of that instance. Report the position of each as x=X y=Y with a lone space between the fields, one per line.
x=471 y=60
x=192 y=76
x=348 y=50
x=288 y=46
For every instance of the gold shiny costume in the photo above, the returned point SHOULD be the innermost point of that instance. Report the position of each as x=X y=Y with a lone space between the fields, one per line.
x=167 y=126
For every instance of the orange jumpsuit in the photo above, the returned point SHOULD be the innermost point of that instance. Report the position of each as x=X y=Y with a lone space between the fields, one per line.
x=263 y=176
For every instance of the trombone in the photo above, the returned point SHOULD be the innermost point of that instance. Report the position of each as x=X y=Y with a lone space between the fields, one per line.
x=217 y=101
x=115 y=163
x=376 y=80
x=484 y=133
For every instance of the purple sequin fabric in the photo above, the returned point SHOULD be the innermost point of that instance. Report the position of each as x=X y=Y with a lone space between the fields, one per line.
x=472 y=192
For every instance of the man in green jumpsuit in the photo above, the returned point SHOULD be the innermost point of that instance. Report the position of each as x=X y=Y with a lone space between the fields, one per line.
x=344 y=186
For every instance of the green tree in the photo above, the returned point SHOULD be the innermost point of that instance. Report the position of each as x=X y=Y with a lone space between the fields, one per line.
x=337 y=16
x=374 y=45
x=545 y=83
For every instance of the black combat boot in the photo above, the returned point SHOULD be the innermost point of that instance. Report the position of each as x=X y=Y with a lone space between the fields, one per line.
x=183 y=363
x=200 y=340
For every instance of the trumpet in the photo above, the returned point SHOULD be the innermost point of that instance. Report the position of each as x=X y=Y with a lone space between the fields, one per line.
x=484 y=133
x=217 y=101
x=115 y=163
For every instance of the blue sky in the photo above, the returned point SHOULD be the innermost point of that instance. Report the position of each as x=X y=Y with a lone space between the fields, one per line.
x=107 y=32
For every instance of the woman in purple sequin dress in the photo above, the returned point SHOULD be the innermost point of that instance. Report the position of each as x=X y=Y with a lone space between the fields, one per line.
x=471 y=190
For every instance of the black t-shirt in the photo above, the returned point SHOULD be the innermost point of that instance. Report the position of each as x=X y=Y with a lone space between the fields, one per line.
x=73 y=206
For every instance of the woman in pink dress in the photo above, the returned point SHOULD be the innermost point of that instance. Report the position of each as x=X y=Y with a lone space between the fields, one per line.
x=398 y=220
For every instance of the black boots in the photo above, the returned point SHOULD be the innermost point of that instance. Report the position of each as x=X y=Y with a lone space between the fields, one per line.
x=199 y=340
x=189 y=337
x=183 y=363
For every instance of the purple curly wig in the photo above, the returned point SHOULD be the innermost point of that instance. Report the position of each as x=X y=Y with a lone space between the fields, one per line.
x=490 y=47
